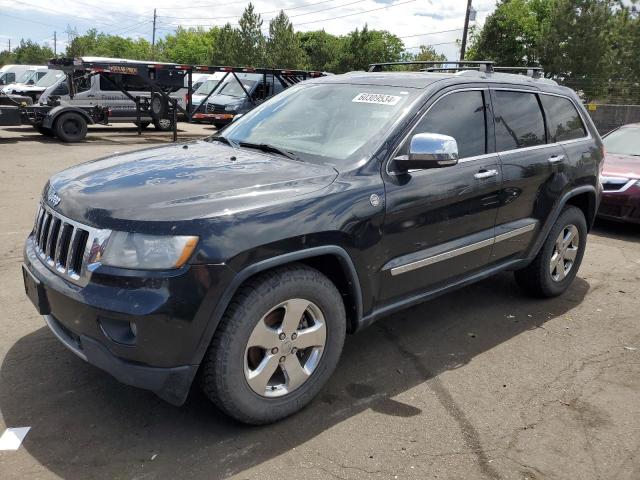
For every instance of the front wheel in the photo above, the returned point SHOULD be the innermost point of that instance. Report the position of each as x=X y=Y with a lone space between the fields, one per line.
x=70 y=127
x=276 y=346
x=557 y=263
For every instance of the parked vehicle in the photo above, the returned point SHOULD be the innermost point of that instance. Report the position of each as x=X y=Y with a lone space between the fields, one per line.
x=108 y=89
x=249 y=255
x=207 y=86
x=238 y=95
x=34 y=91
x=29 y=77
x=14 y=73
x=621 y=175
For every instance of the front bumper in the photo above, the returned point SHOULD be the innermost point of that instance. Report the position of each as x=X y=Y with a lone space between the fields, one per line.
x=223 y=118
x=621 y=206
x=143 y=330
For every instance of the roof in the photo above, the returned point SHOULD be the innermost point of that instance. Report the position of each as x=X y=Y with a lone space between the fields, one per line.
x=422 y=80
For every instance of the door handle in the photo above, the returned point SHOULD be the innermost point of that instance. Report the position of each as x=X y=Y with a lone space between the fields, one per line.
x=485 y=174
x=91 y=96
x=556 y=158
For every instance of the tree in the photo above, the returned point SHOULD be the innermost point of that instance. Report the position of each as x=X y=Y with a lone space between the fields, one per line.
x=104 y=45
x=321 y=50
x=362 y=47
x=30 y=53
x=188 y=45
x=252 y=42
x=512 y=34
x=427 y=54
x=283 y=45
x=226 y=49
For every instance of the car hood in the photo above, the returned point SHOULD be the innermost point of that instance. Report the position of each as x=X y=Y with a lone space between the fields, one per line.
x=224 y=100
x=190 y=181
x=627 y=166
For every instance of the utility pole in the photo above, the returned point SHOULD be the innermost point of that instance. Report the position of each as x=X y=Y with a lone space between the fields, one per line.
x=153 y=35
x=9 y=45
x=463 y=47
x=55 y=44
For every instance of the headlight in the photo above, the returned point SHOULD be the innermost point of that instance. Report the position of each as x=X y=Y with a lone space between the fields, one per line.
x=148 y=252
x=231 y=108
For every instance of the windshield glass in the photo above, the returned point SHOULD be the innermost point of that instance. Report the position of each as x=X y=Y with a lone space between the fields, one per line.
x=624 y=141
x=24 y=78
x=324 y=122
x=206 y=87
x=232 y=88
x=50 y=78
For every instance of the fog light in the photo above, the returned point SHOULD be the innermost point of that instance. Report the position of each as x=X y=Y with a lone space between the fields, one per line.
x=119 y=331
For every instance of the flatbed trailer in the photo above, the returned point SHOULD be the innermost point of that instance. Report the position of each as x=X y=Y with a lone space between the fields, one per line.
x=164 y=78
x=68 y=123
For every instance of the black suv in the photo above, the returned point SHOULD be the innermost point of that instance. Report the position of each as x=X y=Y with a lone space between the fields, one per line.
x=243 y=259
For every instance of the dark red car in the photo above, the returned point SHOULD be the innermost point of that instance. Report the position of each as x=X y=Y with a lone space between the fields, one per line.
x=621 y=175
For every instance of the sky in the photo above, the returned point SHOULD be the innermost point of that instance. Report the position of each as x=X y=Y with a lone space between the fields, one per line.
x=418 y=22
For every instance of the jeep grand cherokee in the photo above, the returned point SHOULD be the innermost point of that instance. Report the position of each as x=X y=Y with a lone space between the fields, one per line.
x=247 y=256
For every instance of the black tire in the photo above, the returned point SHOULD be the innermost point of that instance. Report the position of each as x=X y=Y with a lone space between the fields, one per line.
x=158 y=106
x=143 y=125
x=70 y=127
x=163 y=125
x=223 y=368
x=537 y=278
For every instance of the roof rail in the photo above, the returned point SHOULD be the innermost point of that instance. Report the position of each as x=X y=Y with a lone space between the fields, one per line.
x=482 y=65
x=533 y=72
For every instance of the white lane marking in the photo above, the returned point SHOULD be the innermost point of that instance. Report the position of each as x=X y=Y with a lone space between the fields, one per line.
x=12 y=438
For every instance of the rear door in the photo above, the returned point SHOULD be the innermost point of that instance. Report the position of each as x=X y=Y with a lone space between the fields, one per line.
x=439 y=222
x=531 y=170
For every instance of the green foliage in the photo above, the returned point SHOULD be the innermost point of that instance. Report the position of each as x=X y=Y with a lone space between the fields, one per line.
x=252 y=41
x=321 y=50
x=27 y=53
x=283 y=45
x=93 y=43
x=188 y=45
x=589 y=45
x=362 y=47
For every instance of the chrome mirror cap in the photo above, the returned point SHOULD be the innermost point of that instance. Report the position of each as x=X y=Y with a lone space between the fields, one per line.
x=434 y=147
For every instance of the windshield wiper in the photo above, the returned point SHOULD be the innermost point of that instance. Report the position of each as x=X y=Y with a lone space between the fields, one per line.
x=266 y=147
x=220 y=138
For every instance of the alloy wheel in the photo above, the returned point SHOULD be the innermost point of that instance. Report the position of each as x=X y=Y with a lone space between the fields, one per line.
x=285 y=348
x=565 y=252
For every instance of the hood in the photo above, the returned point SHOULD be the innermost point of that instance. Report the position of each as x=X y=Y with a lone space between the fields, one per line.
x=225 y=100
x=182 y=182
x=627 y=166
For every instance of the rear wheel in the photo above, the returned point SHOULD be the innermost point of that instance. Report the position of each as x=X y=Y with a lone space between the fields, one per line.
x=70 y=127
x=276 y=346
x=557 y=263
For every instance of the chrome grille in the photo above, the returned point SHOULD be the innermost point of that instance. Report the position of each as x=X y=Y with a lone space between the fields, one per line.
x=67 y=247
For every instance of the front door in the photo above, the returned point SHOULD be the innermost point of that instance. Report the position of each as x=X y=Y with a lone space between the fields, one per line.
x=439 y=223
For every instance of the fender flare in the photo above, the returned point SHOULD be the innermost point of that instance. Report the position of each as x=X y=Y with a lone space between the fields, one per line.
x=555 y=213
x=267 y=264
x=55 y=112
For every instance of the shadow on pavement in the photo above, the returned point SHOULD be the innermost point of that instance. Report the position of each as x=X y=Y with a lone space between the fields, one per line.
x=85 y=424
x=616 y=230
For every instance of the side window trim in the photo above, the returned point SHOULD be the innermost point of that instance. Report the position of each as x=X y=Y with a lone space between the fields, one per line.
x=488 y=131
x=578 y=111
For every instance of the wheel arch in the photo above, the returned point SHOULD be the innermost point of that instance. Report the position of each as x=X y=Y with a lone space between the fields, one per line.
x=331 y=260
x=584 y=197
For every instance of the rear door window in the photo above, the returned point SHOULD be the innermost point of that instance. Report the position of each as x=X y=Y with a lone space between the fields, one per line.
x=460 y=115
x=563 y=120
x=518 y=120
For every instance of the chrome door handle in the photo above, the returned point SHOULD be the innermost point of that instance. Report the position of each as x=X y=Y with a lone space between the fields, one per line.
x=485 y=174
x=556 y=158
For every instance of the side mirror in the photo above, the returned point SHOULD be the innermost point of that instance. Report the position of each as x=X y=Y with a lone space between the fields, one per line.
x=428 y=150
x=30 y=82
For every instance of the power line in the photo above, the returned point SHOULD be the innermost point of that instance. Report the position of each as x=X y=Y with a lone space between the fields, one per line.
x=356 y=13
x=431 y=33
x=431 y=45
x=29 y=21
x=259 y=13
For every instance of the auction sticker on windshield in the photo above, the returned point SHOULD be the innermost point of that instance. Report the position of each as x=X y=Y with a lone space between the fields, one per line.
x=379 y=98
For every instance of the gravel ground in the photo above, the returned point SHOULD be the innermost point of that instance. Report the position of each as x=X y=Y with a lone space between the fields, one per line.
x=480 y=383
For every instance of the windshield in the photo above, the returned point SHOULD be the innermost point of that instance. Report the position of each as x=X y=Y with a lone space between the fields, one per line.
x=325 y=122
x=624 y=141
x=24 y=78
x=233 y=89
x=49 y=79
x=206 y=87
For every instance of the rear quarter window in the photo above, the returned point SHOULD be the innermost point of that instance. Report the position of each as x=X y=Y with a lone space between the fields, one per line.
x=563 y=120
x=518 y=120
